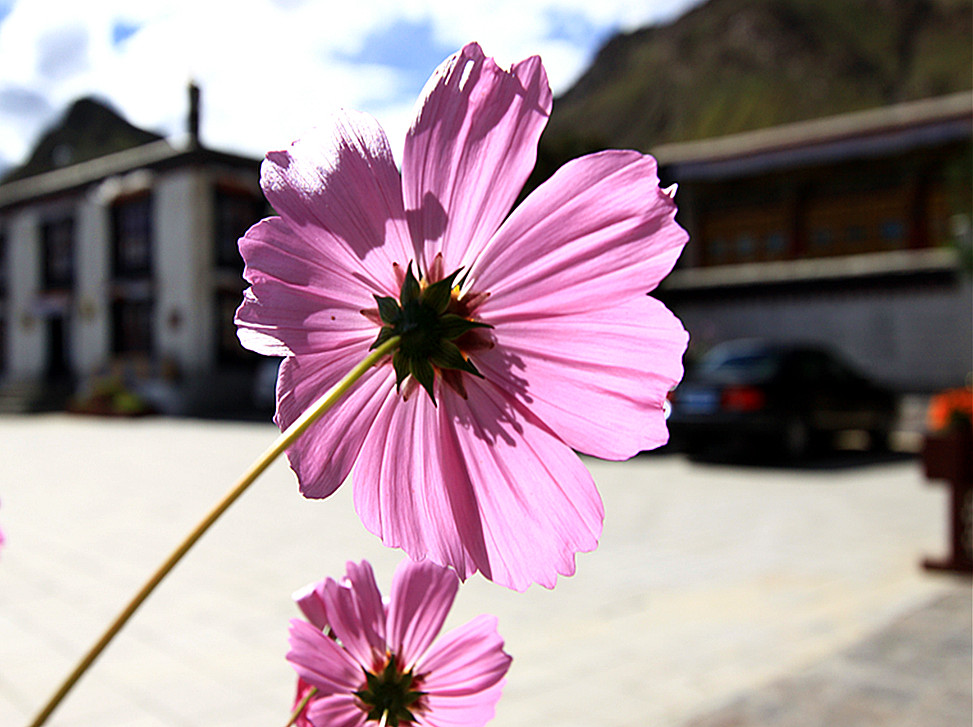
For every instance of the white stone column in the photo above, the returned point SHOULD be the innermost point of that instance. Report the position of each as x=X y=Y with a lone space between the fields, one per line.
x=25 y=328
x=91 y=314
x=183 y=224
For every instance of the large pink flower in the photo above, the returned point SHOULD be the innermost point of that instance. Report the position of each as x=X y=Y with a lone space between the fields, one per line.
x=366 y=658
x=541 y=340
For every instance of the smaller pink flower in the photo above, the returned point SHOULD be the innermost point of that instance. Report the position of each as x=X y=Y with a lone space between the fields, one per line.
x=370 y=660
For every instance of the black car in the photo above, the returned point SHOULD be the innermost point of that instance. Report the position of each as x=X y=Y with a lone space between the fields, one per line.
x=747 y=394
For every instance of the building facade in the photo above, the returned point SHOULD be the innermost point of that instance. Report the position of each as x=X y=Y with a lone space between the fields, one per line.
x=126 y=265
x=852 y=231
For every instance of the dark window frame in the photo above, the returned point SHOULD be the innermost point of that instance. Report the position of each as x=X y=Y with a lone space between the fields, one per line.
x=132 y=237
x=58 y=250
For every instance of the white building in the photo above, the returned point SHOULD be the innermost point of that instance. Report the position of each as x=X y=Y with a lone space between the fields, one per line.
x=127 y=265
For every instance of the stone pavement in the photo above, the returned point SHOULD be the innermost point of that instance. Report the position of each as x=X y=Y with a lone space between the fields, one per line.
x=717 y=593
x=915 y=673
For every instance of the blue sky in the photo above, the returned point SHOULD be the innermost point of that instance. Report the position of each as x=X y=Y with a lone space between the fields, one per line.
x=270 y=69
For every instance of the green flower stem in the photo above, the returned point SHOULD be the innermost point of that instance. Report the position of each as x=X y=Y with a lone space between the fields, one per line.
x=279 y=446
x=300 y=707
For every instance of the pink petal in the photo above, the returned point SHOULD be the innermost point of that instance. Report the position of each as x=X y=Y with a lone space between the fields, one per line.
x=339 y=710
x=422 y=594
x=321 y=662
x=400 y=493
x=323 y=456
x=299 y=300
x=465 y=661
x=310 y=600
x=371 y=607
x=537 y=503
x=339 y=189
x=461 y=711
x=470 y=150
x=485 y=476
x=599 y=379
x=598 y=232
x=357 y=616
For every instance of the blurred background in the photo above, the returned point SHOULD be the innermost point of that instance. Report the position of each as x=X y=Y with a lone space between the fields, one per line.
x=823 y=151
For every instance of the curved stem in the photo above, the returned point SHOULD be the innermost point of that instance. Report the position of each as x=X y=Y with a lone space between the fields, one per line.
x=301 y=705
x=280 y=445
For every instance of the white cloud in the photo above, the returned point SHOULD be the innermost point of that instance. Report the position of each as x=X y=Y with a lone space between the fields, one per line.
x=270 y=68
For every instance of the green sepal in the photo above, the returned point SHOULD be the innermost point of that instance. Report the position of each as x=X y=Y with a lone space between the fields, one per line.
x=448 y=356
x=428 y=332
x=388 y=309
x=388 y=694
x=410 y=288
x=400 y=362
x=390 y=672
x=424 y=373
x=437 y=295
x=452 y=326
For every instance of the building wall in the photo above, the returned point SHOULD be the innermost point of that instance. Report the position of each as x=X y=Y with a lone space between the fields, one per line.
x=26 y=335
x=182 y=272
x=184 y=278
x=914 y=337
x=92 y=317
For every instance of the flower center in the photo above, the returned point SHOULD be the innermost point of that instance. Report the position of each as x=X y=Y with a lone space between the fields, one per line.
x=389 y=694
x=430 y=320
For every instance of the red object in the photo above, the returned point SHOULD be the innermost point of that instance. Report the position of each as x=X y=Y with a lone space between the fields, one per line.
x=743 y=398
x=948 y=455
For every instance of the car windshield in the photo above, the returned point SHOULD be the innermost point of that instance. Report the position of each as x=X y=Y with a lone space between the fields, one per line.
x=733 y=366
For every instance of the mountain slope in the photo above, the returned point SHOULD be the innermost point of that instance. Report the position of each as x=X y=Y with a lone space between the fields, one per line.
x=88 y=129
x=734 y=65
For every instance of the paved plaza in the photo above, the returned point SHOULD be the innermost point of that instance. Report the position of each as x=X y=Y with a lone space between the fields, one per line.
x=720 y=596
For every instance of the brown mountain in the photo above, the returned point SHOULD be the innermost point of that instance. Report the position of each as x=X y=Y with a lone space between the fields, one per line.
x=734 y=65
x=89 y=129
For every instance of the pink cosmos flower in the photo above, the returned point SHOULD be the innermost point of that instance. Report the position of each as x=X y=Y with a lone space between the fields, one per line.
x=525 y=334
x=367 y=659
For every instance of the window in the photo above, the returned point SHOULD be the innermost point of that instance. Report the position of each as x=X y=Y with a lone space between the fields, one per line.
x=132 y=233
x=892 y=233
x=132 y=309
x=821 y=239
x=717 y=250
x=228 y=345
x=132 y=326
x=57 y=243
x=775 y=244
x=746 y=247
x=236 y=211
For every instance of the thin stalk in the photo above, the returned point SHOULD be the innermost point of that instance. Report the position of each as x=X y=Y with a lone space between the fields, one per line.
x=279 y=446
x=300 y=707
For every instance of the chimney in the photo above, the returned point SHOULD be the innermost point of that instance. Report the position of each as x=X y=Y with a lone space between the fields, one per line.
x=193 y=120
